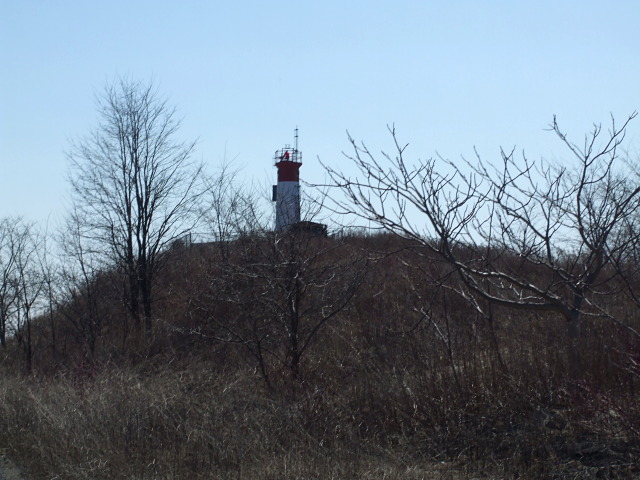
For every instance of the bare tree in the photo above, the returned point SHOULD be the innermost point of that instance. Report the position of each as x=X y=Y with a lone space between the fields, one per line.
x=229 y=209
x=135 y=188
x=528 y=235
x=278 y=292
x=50 y=272
x=78 y=302
x=21 y=287
x=12 y=241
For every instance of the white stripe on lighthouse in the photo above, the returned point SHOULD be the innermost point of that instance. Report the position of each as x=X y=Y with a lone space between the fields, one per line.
x=287 y=205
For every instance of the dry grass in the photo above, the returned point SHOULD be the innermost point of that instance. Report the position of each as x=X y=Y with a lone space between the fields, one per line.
x=190 y=422
x=185 y=424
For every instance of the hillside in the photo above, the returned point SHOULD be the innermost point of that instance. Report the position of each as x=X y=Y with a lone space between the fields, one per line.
x=299 y=356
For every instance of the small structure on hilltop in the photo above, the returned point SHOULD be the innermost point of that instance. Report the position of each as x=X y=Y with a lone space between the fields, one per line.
x=286 y=194
x=313 y=228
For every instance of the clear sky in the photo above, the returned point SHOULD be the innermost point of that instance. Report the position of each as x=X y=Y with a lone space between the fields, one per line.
x=450 y=75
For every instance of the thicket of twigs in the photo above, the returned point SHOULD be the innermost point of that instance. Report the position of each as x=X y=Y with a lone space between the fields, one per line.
x=406 y=381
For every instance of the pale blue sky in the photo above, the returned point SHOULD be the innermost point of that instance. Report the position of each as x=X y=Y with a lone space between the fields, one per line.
x=451 y=75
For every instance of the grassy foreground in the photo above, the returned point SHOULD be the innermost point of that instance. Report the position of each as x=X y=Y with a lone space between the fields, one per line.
x=185 y=422
x=188 y=424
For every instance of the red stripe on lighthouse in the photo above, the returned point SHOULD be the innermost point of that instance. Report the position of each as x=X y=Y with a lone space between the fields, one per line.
x=288 y=171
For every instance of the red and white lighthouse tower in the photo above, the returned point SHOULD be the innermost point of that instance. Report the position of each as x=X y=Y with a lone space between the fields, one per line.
x=286 y=193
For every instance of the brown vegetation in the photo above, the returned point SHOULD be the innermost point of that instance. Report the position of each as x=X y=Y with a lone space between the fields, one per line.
x=407 y=380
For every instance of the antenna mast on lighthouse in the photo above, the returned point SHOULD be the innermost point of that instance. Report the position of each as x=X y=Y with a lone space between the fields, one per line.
x=286 y=193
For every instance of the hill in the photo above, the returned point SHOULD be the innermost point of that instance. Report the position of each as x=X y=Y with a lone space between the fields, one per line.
x=300 y=356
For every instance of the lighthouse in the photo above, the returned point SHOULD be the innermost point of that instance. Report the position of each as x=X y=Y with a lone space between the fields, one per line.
x=286 y=194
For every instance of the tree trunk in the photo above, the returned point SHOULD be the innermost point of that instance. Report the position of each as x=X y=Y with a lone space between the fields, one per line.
x=145 y=293
x=574 y=323
x=3 y=329
x=294 y=353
